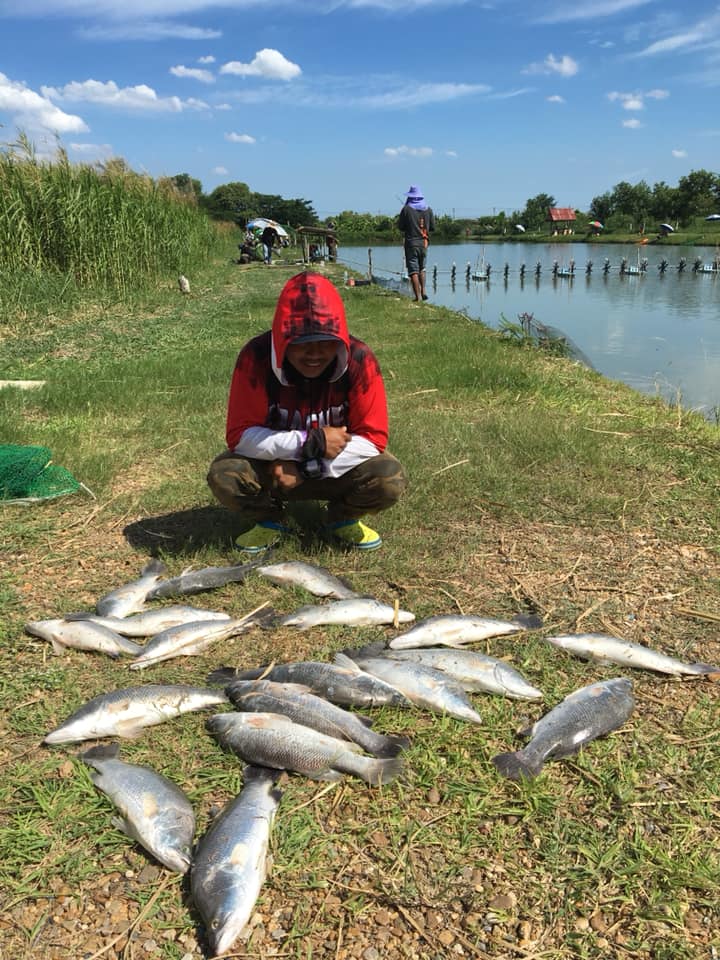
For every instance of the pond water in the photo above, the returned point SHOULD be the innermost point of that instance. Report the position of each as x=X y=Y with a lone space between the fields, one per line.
x=658 y=332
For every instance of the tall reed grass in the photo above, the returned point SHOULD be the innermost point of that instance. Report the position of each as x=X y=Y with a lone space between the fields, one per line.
x=79 y=226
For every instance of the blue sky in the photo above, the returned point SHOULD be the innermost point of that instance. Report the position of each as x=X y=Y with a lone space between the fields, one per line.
x=345 y=103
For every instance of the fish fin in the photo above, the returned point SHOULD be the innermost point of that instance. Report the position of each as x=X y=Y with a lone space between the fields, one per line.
x=266 y=618
x=80 y=615
x=222 y=676
x=342 y=660
x=123 y=826
x=103 y=751
x=58 y=648
x=514 y=766
x=331 y=775
x=528 y=621
x=129 y=729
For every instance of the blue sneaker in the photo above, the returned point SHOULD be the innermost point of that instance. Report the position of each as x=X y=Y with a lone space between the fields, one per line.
x=262 y=536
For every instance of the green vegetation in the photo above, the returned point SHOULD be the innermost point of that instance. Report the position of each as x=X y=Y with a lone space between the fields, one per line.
x=66 y=228
x=535 y=484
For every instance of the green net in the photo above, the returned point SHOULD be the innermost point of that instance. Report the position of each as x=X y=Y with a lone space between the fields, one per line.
x=26 y=473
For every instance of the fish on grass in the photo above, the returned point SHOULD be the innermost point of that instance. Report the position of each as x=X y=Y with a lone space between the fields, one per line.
x=126 y=712
x=346 y=686
x=609 y=649
x=131 y=597
x=231 y=859
x=314 y=579
x=192 y=639
x=475 y=672
x=197 y=581
x=150 y=622
x=456 y=630
x=300 y=705
x=275 y=741
x=582 y=716
x=424 y=686
x=153 y=810
x=356 y=612
x=83 y=635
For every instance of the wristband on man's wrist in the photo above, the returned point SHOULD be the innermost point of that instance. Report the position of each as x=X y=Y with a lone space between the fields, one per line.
x=311 y=469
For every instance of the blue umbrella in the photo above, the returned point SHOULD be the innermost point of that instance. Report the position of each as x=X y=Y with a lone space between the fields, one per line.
x=713 y=216
x=667 y=228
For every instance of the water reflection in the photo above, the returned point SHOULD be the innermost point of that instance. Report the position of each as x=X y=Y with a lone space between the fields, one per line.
x=658 y=331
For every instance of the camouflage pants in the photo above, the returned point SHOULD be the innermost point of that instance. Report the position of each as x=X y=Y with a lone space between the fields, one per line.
x=246 y=487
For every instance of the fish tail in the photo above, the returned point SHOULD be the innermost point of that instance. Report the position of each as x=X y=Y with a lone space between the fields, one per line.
x=390 y=746
x=222 y=676
x=528 y=621
x=108 y=751
x=705 y=668
x=516 y=765
x=379 y=772
x=155 y=566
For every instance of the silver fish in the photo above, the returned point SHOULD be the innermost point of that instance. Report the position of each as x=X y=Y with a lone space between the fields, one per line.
x=126 y=712
x=347 y=686
x=582 y=716
x=302 y=706
x=131 y=597
x=455 y=630
x=83 y=635
x=154 y=811
x=474 y=671
x=314 y=579
x=197 y=581
x=425 y=687
x=272 y=740
x=357 y=612
x=231 y=860
x=150 y=622
x=608 y=649
x=190 y=639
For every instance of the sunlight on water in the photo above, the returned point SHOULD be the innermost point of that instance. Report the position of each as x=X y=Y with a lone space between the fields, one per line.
x=658 y=332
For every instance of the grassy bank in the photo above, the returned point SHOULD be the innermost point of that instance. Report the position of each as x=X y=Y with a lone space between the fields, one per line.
x=535 y=485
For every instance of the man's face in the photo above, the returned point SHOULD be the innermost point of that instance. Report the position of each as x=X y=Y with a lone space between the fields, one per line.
x=310 y=359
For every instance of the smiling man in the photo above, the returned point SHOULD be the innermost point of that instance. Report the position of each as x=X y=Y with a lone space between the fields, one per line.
x=307 y=420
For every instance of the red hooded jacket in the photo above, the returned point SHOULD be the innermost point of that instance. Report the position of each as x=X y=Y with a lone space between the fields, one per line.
x=267 y=392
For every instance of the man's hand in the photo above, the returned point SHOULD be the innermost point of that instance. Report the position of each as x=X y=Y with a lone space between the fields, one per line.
x=336 y=439
x=286 y=475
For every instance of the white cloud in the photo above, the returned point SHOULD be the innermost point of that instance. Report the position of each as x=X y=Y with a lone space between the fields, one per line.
x=632 y=124
x=451 y=153
x=416 y=96
x=266 y=63
x=147 y=30
x=141 y=97
x=192 y=73
x=555 y=98
x=239 y=138
x=636 y=100
x=221 y=170
x=222 y=106
x=408 y=151
x=93 y=149
x=35 y=111
x=679 y=154
x=590 y=10
x=208 y=59
x=564 y=67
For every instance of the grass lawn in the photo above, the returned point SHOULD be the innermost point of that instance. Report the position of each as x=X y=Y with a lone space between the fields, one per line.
x=535 y=486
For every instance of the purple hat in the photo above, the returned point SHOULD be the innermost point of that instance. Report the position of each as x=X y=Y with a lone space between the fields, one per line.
x=415 y=193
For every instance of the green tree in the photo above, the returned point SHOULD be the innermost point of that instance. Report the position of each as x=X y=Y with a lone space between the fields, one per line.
x=230 y=201
x=536 y=209
x=698 y=194
x=187 y=185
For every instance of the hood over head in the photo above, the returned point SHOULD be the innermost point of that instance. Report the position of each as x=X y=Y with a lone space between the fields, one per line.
x=309 y=308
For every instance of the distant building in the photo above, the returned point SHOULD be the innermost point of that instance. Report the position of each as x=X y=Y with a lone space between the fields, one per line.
x=561 y=219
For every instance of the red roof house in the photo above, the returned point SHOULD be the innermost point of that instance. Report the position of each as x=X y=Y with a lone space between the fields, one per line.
x=561 y=219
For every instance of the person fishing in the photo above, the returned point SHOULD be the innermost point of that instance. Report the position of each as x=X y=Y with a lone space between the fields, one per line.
x=417 y=222
x=307 y=420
